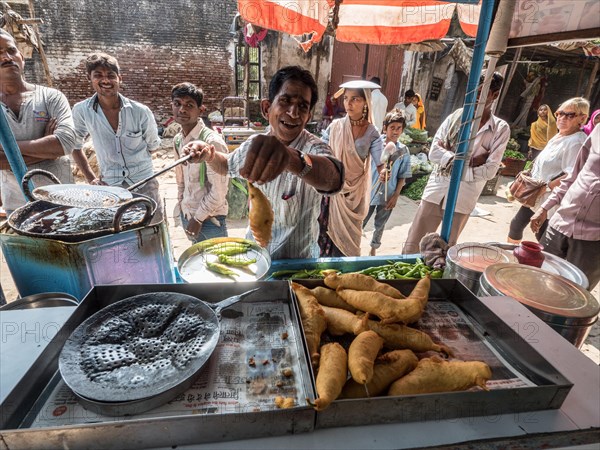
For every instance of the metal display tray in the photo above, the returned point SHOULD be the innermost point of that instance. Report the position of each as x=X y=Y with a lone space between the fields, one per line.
x=37 y=392
x=543 y=387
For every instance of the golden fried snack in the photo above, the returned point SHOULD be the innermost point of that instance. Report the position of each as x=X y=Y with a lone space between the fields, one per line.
x=332 y=375
x=388 y=309
x=360 y=282
x=313 y=320
x=329 y=297
x=421 y=290
x=341 y=322
x=437 y=375
x=284 y=402
x=260 y=216
x=361 y=356
x=388 y=368
x=398 y=337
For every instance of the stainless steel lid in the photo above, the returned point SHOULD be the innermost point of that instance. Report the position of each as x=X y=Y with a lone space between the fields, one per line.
x=476 y=256
x=552 y=264
x=555 y=298
x=43 y=300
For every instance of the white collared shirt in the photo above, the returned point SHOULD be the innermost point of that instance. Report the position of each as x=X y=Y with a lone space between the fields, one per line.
x=124 y=155
x=492 y=136
x=295 y=229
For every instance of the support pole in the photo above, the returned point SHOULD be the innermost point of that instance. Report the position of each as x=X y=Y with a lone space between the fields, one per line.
x=12 y=151
x=483 y=29
x=40 y=46
x=509 y=77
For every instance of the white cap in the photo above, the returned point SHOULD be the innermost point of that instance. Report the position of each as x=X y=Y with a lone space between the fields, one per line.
x=355 y=84
x=360 y=84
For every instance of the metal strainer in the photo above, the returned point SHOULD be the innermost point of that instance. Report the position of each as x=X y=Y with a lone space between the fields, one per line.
x=142 y=346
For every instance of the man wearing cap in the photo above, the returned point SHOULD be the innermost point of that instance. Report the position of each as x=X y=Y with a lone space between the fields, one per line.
x=407 y=107
x=292 y=167
x=488 y=148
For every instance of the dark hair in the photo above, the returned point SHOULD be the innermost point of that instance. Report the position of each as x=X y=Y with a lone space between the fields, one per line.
x=497 y=81
x=409 y=93
x=375 y=80
x=188 y=90
x=394 y=116
x=100 y=59
x=295 y=73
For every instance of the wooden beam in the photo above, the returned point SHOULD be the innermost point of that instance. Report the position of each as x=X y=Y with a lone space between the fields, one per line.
x=588 y=91
x=576 y=35
x=40 y=46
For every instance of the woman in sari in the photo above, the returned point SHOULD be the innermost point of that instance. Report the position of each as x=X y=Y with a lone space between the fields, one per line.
x=354 y=140
x=542 y=130
x=420 y=124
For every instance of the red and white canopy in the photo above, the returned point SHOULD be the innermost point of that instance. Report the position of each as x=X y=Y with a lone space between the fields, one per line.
x=379 y=22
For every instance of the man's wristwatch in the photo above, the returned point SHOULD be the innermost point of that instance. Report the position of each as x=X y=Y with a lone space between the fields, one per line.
x=306 y=164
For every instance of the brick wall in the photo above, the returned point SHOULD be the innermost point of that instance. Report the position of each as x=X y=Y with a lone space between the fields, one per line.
x=158 y=43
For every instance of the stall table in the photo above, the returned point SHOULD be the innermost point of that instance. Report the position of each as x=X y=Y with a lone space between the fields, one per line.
x=576 y=422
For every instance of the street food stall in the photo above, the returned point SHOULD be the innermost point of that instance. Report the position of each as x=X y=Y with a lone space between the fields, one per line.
x=124 y=371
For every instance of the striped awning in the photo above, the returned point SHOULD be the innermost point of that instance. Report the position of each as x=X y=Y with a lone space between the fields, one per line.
x=379 y=22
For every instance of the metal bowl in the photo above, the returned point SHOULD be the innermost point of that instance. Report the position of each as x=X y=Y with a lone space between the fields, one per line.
x=44 y=300
x=192 y=262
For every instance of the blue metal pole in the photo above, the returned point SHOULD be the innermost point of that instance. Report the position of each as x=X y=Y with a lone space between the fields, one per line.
x=483 y=31
x=11 y=150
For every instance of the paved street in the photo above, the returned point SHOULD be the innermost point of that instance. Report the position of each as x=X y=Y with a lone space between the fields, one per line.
x=488 y=228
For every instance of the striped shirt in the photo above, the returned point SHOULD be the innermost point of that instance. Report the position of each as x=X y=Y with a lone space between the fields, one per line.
x=295 y=228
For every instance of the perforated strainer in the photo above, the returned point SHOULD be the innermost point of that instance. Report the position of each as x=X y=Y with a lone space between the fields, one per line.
x=142 y=346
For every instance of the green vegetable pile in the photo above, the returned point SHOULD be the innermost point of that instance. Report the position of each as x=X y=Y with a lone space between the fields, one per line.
x=315 y=274
x=415 y=190
x=402 y=271
x=392 y=271
x=513 y=155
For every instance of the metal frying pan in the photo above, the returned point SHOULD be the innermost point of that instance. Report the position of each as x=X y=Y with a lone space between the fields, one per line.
x=141 y=347
x=85 y=195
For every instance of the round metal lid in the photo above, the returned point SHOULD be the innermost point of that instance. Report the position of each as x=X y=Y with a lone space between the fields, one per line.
x=476 y=256
x=542 y=291
x=83 y=195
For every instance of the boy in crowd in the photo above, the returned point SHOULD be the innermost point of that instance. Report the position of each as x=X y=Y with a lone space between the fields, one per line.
x=124 y=132
x=396 y=161
x=202 y=193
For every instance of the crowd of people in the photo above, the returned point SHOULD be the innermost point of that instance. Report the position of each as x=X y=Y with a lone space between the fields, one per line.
x=323 y=190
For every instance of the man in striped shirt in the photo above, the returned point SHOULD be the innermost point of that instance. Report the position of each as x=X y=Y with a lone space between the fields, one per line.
x=292 y=167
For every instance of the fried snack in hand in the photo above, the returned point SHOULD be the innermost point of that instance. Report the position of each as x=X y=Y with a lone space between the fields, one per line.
x=329 y=297
x=437 y=375
x=360 y=282
x=361 y=356
x=313 y=320
x=341 y=322
x=388 y=368
x=398 y=337
x=260 y=216
x=332 y=375
x=388 y=309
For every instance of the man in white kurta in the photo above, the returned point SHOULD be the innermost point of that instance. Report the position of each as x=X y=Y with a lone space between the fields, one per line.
x=488 y=148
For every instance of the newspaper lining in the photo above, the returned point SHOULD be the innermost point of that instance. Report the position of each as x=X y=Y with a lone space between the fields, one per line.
x=258 y=332
x=229 y=384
